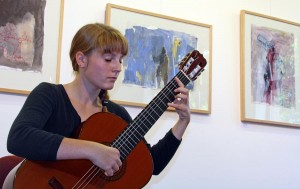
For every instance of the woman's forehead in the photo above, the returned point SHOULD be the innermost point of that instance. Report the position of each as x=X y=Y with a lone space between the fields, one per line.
x=108 y=51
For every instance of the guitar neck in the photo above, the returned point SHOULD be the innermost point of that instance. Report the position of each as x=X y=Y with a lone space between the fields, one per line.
x=136 y=131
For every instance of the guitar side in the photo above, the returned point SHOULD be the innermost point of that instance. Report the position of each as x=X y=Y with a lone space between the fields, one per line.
x=101 y=127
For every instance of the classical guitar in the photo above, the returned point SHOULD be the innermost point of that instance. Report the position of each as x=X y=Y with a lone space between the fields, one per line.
x=109 y=129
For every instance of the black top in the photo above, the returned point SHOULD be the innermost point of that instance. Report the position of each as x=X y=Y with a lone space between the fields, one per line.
x=48 y=116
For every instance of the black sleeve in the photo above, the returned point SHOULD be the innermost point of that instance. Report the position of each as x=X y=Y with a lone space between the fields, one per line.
x=163 y=151
x=27 y=137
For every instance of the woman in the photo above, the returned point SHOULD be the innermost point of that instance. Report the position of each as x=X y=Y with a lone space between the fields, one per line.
x=51 y=113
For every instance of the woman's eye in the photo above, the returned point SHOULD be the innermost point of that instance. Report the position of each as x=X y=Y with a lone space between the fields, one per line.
x=108 y=59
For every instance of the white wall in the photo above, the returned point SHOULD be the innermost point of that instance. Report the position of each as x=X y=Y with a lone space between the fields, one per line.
x=218 y=151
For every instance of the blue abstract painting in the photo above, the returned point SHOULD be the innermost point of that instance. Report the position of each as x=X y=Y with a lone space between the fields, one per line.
x=154 y=55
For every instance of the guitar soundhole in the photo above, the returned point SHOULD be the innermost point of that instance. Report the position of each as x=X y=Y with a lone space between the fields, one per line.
x=117 y=174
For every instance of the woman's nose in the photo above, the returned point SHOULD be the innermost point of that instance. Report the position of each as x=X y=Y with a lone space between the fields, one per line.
x=117 y=66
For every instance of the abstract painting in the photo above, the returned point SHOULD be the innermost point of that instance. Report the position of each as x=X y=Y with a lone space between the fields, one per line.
x=270 y=67
x=159 y=51
x=273 y=66
x=22 y=34
x=157 y=44
x=30 y=35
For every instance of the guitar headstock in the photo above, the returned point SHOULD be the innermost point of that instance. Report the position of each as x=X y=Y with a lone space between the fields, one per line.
x=193 y=64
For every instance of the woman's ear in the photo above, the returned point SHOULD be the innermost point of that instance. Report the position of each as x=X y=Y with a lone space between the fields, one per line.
x=81 y=59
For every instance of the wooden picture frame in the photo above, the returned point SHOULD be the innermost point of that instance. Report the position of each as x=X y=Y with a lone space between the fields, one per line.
x=150 y=35
x=30 y=46
x=270 y=70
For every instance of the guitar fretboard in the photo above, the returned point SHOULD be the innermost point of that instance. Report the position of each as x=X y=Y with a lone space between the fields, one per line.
x=136 y=131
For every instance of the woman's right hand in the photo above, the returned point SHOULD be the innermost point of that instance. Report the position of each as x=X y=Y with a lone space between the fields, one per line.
x=105 y=157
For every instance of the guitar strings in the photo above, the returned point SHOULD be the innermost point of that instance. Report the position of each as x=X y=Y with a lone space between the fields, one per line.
x=87 y=177
x=140 y=121
x=123 y=140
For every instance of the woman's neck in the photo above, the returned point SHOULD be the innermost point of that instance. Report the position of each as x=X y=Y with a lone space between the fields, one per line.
x=86 y=102
x=82 y=93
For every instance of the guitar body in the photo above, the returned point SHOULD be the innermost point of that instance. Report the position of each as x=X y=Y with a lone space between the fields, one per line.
x=104 y=128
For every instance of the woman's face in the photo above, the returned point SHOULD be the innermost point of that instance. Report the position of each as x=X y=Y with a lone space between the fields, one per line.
x=102 y=70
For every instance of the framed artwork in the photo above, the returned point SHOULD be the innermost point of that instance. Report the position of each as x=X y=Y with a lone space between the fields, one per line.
x=30 y=42
x=157 y=43
x=270 y=70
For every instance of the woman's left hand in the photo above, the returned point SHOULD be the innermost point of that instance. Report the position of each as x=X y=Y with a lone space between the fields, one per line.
x=181 y=102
